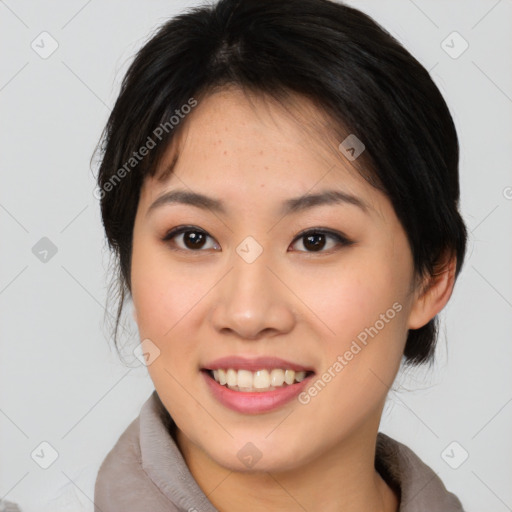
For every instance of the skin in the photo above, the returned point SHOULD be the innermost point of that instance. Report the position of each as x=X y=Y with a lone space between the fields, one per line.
x=292 y=302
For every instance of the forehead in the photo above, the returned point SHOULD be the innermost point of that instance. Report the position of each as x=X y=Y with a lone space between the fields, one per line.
x=238 y=129
x=234 y=145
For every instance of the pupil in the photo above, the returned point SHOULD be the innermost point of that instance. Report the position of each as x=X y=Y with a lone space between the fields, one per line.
x=312 y=244
x=193 y=239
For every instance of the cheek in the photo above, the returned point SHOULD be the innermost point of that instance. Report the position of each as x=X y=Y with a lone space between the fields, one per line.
x=363 y=349
x=365 y=311
x=164 y=294
x=167 y=300
x=363 y=289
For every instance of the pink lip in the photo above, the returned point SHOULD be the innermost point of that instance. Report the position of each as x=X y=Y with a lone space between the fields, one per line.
x=254 y=402
x=254 y=364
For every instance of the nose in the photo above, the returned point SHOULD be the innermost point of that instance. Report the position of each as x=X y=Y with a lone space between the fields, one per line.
x=252 y=302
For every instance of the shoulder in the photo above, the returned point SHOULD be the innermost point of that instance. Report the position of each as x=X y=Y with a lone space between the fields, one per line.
x=418 y=485
x=122 y=483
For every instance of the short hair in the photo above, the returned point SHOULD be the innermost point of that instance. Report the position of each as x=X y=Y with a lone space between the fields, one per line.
x=355 y=71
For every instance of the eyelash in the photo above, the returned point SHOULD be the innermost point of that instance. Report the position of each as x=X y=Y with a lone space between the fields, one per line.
x=342 y=240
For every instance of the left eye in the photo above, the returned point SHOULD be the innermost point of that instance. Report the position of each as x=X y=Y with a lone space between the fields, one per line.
x=313 y=240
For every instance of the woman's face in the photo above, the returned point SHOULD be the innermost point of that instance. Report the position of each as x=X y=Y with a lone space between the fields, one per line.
x=260 y=279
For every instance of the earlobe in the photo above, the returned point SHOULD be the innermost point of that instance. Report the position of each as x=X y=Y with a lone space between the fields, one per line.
x=434 y=293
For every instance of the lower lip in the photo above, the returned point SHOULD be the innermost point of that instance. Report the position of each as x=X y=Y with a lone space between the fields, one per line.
x=257 y=401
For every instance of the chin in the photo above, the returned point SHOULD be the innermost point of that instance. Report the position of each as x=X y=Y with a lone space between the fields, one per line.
x=249 y=457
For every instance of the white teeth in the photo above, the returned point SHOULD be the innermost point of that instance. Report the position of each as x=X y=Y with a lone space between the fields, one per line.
x=276 y=377
x=289 y=376
x=231 y=378
x=222 y=376
x=261 y=380
x=244 y=379
x=300 y=376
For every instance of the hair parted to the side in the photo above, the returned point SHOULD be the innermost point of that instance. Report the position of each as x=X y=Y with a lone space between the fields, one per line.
x=336 y=56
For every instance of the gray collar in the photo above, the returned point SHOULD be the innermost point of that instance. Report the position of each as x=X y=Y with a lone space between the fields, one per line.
x=147 y=456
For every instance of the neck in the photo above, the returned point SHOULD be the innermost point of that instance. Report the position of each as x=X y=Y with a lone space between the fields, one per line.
x=342 y=479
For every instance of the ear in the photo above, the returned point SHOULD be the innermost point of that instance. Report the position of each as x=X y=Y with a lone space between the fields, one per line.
x=434 y=292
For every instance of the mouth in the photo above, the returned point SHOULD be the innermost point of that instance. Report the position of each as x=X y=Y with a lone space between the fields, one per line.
x=255 y=386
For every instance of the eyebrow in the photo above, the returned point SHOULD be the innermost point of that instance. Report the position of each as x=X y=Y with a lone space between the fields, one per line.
x=292 y=205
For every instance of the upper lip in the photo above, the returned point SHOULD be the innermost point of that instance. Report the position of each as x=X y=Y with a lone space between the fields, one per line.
x=255 y=364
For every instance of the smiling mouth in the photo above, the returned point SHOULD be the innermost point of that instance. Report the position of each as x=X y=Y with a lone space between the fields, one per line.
x=258 y=381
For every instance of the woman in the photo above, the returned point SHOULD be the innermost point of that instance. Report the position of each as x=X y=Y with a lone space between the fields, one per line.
x=279 y=185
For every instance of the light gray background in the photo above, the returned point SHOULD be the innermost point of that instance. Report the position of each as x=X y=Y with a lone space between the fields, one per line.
x=60 y=380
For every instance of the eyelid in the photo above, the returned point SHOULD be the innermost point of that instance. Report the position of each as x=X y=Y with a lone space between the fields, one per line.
x=178 y=230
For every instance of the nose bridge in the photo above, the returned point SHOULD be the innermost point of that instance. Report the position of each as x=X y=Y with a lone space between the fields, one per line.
x=251 y=299
x=251 y=275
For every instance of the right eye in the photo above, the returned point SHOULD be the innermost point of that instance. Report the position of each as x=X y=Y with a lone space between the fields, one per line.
x=187 y=238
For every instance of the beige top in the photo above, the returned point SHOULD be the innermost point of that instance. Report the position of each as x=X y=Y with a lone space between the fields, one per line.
x=145 y=471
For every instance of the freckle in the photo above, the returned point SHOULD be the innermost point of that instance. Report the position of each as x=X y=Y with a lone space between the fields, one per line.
x=225 y=152
x=261 y=152
x=266 y=167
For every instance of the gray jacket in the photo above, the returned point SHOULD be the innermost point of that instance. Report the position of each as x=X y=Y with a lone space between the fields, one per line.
x=145 y=471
